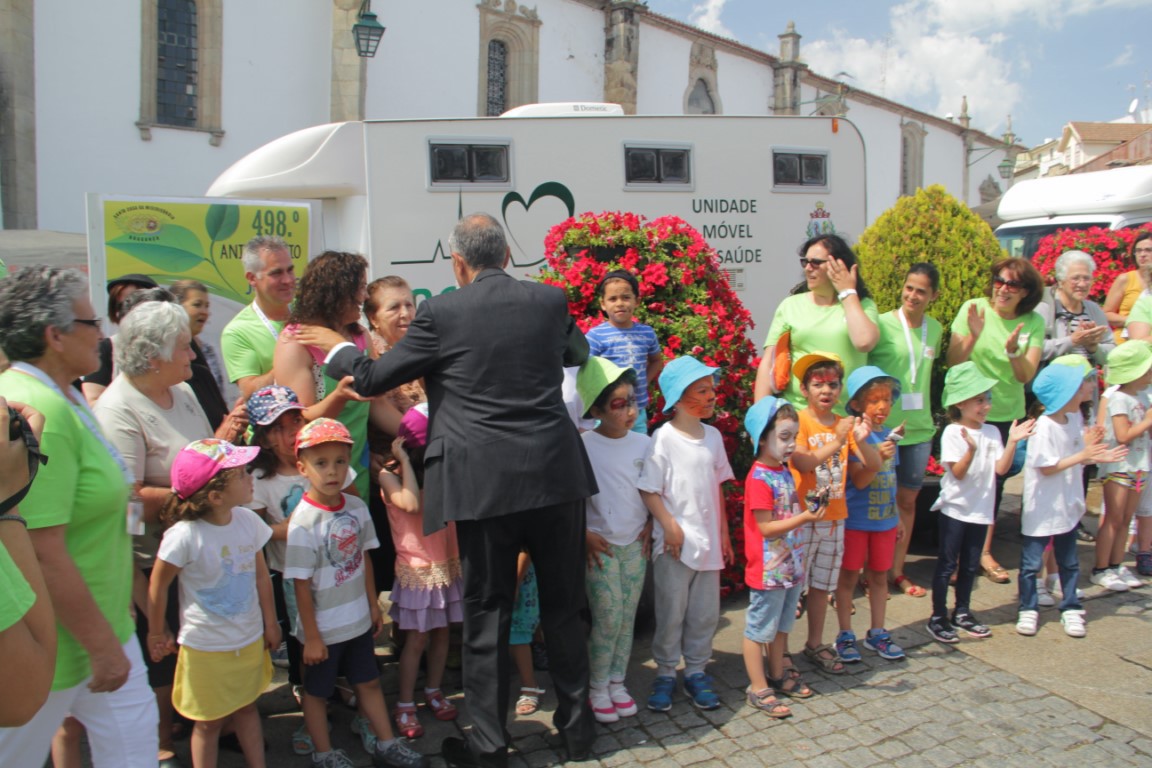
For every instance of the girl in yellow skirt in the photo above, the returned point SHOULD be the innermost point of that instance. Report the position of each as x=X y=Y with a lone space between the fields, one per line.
x=227 y=614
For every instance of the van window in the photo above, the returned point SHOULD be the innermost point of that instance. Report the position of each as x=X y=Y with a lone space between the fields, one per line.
x=1023 y=242
x=469 y=163
x=657 y=165
x=798 y=168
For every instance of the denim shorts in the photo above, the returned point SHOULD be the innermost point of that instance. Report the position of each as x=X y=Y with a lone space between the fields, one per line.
x=913 y=462
x=770 y=611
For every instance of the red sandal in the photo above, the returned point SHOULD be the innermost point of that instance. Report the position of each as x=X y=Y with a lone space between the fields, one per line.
x=407 y=724
x=902 y=583
x=440 y=706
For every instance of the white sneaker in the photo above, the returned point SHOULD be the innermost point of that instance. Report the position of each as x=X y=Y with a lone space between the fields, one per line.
x=1132 y=580
x=1027 y=622
x=1073 y=622
x=602 y=707
x=1043 y=597
x=1109 y=580
x=1057 y=591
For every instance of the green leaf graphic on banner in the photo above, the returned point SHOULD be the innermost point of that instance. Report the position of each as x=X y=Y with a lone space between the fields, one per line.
x=174 y=249
x=221 y=221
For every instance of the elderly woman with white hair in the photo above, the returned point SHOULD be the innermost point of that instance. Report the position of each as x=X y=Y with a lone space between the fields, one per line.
x=75 y=513
x=1073 y=323
x=149 y=413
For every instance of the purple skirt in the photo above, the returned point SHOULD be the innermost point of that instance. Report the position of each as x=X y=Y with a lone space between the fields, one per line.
x=424 y=608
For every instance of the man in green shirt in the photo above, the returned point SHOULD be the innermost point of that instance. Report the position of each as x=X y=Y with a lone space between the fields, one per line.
x=249 y=340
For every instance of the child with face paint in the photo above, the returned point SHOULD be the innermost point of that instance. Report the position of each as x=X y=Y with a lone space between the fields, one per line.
x=775 y=556
x=680 y=485
x=873 y=526
x=822 y=447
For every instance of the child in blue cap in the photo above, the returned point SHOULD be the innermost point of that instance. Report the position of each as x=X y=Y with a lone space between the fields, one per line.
x=1054 y=492
x=680 y=484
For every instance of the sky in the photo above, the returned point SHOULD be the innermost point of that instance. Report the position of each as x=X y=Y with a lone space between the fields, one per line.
x=1045 y=62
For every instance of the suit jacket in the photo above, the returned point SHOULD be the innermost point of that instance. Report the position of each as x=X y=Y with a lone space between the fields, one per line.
x=492 y=355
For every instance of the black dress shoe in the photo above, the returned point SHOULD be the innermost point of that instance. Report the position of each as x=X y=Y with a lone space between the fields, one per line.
x=457 y=754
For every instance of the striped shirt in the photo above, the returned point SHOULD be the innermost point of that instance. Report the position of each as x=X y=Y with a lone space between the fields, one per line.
x=327 y=545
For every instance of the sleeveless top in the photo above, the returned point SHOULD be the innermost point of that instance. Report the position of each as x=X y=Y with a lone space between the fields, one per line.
x=1133 y=288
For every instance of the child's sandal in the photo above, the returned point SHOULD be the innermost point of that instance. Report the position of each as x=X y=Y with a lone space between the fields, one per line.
x=529 y=701
x=825 y=657
x=902 y=583
x=440 y=706
x=792 y=685
x=767 y=703
x=407 y=724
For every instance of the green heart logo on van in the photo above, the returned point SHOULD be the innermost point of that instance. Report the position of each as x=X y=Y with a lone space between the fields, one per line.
x=547 y=189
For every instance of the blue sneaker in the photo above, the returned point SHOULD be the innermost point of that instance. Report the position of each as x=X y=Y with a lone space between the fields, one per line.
x=699 y=690
x=880 y=641
x=662 y=690
x=846 y=647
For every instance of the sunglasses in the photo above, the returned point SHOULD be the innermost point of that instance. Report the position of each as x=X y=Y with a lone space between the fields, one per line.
x=94 y=322
x=621 y=403
x=814 y=263
x=1012 y=285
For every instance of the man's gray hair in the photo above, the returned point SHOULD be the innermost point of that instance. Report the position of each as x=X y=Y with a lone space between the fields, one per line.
x=1070 y=259
x=147 y=333
x=32 y=300
x=253 y=258
x=479 y=239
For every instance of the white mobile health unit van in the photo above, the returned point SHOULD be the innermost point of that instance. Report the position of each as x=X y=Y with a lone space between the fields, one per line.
x=755 y=187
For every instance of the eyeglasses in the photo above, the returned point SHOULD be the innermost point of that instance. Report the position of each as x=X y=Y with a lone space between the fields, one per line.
x=1011 y=285
x=622 y=403
x=95 y=322
x=1143 y=251
x=814 y=263
x=1079 y=279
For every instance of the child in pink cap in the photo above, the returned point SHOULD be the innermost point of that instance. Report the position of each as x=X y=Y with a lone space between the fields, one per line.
x=227 y=614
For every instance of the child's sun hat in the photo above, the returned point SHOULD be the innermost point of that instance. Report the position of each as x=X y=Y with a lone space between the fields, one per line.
x=801 y=366
x=862 y=377
x=596 y=375
x=965 y=381
x=1128 y=362
x=759 y=415
x=1079 y=362
x=677 y=375
x=201 y=460
x=1056 y=385
x=414 y=426
x=320 y=431
x=270 y=403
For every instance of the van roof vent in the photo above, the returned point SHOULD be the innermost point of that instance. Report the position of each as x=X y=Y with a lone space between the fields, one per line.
x=566 y=109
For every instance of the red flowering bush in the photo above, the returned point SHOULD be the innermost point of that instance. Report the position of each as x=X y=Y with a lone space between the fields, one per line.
x=687 y=301
x=934 y=467
x=1109 y=247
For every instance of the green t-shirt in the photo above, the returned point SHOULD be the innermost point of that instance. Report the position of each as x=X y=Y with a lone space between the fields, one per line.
x=891 y=355
x=817 y=329
x=990 y=358
x=16 y=595
x=247 y=345
x=80 y=487
x=1141 y=311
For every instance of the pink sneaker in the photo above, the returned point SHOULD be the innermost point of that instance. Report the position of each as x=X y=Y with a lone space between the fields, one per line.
x=621 y=699
x=602 y=707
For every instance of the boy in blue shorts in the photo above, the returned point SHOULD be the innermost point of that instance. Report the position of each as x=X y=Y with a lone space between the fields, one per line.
x=627 y=343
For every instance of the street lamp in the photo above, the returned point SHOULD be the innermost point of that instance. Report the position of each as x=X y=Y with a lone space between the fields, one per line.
x=367 y=31
x=1006 y=166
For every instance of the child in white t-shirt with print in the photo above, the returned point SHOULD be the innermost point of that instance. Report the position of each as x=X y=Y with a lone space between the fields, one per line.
x=1054 y=491
x=683 y=471
x=619 y=530
x=227 y=618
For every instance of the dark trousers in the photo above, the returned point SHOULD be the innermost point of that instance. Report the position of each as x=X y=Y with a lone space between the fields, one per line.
x=295 y=650
x=554 y=538
x=960 y=548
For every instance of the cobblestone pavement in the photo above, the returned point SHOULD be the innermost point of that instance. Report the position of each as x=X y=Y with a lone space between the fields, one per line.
x=1000 y=702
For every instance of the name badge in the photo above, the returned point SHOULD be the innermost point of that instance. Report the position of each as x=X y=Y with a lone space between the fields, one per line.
x=1023 y=339
x=912 y=401
x=929 y=353
x=135 y=519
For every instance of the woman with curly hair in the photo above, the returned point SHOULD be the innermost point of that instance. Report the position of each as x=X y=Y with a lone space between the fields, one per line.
x=323 y=298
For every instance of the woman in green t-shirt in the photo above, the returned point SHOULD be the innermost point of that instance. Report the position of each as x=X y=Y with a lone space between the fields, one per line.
x=831 y=311
x=908 y=346
x=1005 y=339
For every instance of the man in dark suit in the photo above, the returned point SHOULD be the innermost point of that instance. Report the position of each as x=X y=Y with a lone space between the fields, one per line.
x=506 y=463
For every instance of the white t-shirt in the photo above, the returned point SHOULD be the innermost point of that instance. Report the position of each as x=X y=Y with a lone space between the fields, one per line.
x=1134 y=407
x=617 y=512
x=149 y=437
x=973 y=499
x=1053 y=503
x=687 y=473
x=327 y=545
x=219 y=605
